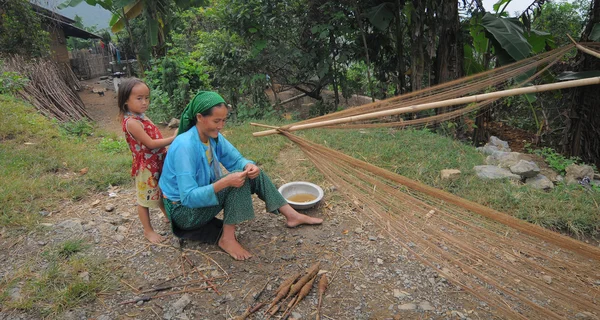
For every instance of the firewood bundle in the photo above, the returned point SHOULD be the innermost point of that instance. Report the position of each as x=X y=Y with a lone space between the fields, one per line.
x=52 y=88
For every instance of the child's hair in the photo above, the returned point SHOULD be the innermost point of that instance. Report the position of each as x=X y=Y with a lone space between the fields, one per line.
x=124 y=91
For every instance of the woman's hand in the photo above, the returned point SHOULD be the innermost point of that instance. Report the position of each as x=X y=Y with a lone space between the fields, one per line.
x=252 y=170
x=236 y=179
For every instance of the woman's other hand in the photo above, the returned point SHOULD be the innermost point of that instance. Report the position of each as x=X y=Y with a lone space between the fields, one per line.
x=252 y=170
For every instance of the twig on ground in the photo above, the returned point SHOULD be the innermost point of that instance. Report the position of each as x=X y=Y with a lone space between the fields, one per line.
x=148 y=298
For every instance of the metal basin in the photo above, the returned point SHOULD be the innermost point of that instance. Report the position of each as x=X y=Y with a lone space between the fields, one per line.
x=299 y=188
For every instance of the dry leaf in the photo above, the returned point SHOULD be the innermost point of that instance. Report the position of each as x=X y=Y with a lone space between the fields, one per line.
x=83 y=171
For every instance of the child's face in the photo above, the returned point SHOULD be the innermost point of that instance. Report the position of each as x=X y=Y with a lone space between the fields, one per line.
x=138 y=99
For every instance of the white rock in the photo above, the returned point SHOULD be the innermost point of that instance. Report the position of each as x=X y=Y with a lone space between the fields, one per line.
x=539 y=182
x=180 y=304
x=425 y=305
x=407 y=306
x=450 y=174
x=547 y=279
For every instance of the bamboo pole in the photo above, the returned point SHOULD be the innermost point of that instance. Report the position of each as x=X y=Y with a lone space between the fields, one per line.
x=439 y=104
x=584 y=49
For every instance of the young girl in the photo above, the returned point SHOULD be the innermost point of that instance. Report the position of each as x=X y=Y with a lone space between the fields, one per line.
x=148 y=148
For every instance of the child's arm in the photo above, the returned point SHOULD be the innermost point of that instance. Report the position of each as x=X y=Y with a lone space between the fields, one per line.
x=136 y=129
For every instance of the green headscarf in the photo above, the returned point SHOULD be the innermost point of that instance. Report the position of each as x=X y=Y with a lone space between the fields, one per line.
x=203 y=101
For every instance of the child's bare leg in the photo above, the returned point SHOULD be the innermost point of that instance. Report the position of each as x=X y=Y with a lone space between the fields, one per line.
x=229 y=243
x=295 y=218
x=164 y=211
x=149 y=233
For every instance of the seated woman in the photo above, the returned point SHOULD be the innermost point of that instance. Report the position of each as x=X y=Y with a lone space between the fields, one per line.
x=195 y=190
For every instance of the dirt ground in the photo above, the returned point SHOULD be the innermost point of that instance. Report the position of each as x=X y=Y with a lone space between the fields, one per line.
x=371 y=276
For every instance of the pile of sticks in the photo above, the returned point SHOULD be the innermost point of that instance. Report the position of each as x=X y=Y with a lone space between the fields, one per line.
x=52 y=88
x=291 y=292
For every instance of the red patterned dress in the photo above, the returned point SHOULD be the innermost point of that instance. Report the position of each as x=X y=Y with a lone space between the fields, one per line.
x=147 y=163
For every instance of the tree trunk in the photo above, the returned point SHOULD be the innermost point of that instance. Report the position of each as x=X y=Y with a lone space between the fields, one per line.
x=135 y=51
x=582 y=134
x=364 y=39
x=417 y=53
x=401 y=68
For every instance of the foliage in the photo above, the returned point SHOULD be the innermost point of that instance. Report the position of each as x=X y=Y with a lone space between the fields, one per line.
x=11 y=82
x=556 y=160
x=21 y=30
x=41 y=164
x=113 y=146
x=561 y=19
x=78 y=128
x=173 y=81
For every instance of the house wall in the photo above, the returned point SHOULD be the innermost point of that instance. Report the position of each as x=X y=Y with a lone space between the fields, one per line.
x=88 y=65
x=58 y=45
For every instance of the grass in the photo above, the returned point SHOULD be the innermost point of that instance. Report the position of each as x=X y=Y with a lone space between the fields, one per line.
x=41 y=163
x=421 y=155
x=59 y=279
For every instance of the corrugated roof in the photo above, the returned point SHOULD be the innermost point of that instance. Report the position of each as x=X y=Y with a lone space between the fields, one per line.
x=65 y=23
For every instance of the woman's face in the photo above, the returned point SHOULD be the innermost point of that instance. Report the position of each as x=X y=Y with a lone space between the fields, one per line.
x=210 y=126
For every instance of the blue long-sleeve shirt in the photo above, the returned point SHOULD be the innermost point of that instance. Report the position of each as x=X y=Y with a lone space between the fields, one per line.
x=187 y=175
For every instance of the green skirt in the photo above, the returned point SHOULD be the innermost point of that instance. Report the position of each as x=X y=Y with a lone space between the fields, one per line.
x=236 y=204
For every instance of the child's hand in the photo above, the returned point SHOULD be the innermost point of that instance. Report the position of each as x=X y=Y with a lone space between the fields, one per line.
x=237 y=179
x=253 y=170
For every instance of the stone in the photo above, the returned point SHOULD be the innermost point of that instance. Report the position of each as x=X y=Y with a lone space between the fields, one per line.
x=15 y=293
x=503 y=159
x=296 y=315
x=174 y=123
x=500 y=144
x=85 y=276
x=44 y=213
x=400 y=294
x=407 y=306
x=540 y=182
x=576 y=172
x=379 y=261
x=559 y=178
x=487 y=149
x=119 y=237
x=586 y=315
x=450 y=174
x=494 y=172
x=526 y=169
x=109 y=208
x=547 y=279
x=426 y=306
x=71 y=224
x=180 y=304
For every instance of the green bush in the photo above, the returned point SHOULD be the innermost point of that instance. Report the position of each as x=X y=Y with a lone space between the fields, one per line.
x=11 y=82
x=556 y=160
x=173 y=80
x=112 y=146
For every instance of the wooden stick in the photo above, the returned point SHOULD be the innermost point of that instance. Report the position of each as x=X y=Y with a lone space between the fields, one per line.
x=263 y=125
x=148 y=298
x=439 y=104
x=181 y=285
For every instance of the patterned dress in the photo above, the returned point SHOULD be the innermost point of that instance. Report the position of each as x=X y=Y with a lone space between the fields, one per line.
x=147 y=163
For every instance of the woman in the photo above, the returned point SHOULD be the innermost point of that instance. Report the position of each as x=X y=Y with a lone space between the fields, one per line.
x=195 y=190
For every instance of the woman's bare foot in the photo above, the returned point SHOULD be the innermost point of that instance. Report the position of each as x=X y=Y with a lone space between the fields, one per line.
x=229 y=244
x=234 y=249
x=153 y=237
x=295 y=218
x=300 y=219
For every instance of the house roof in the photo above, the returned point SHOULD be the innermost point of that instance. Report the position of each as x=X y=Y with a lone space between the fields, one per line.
x=65 y=23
